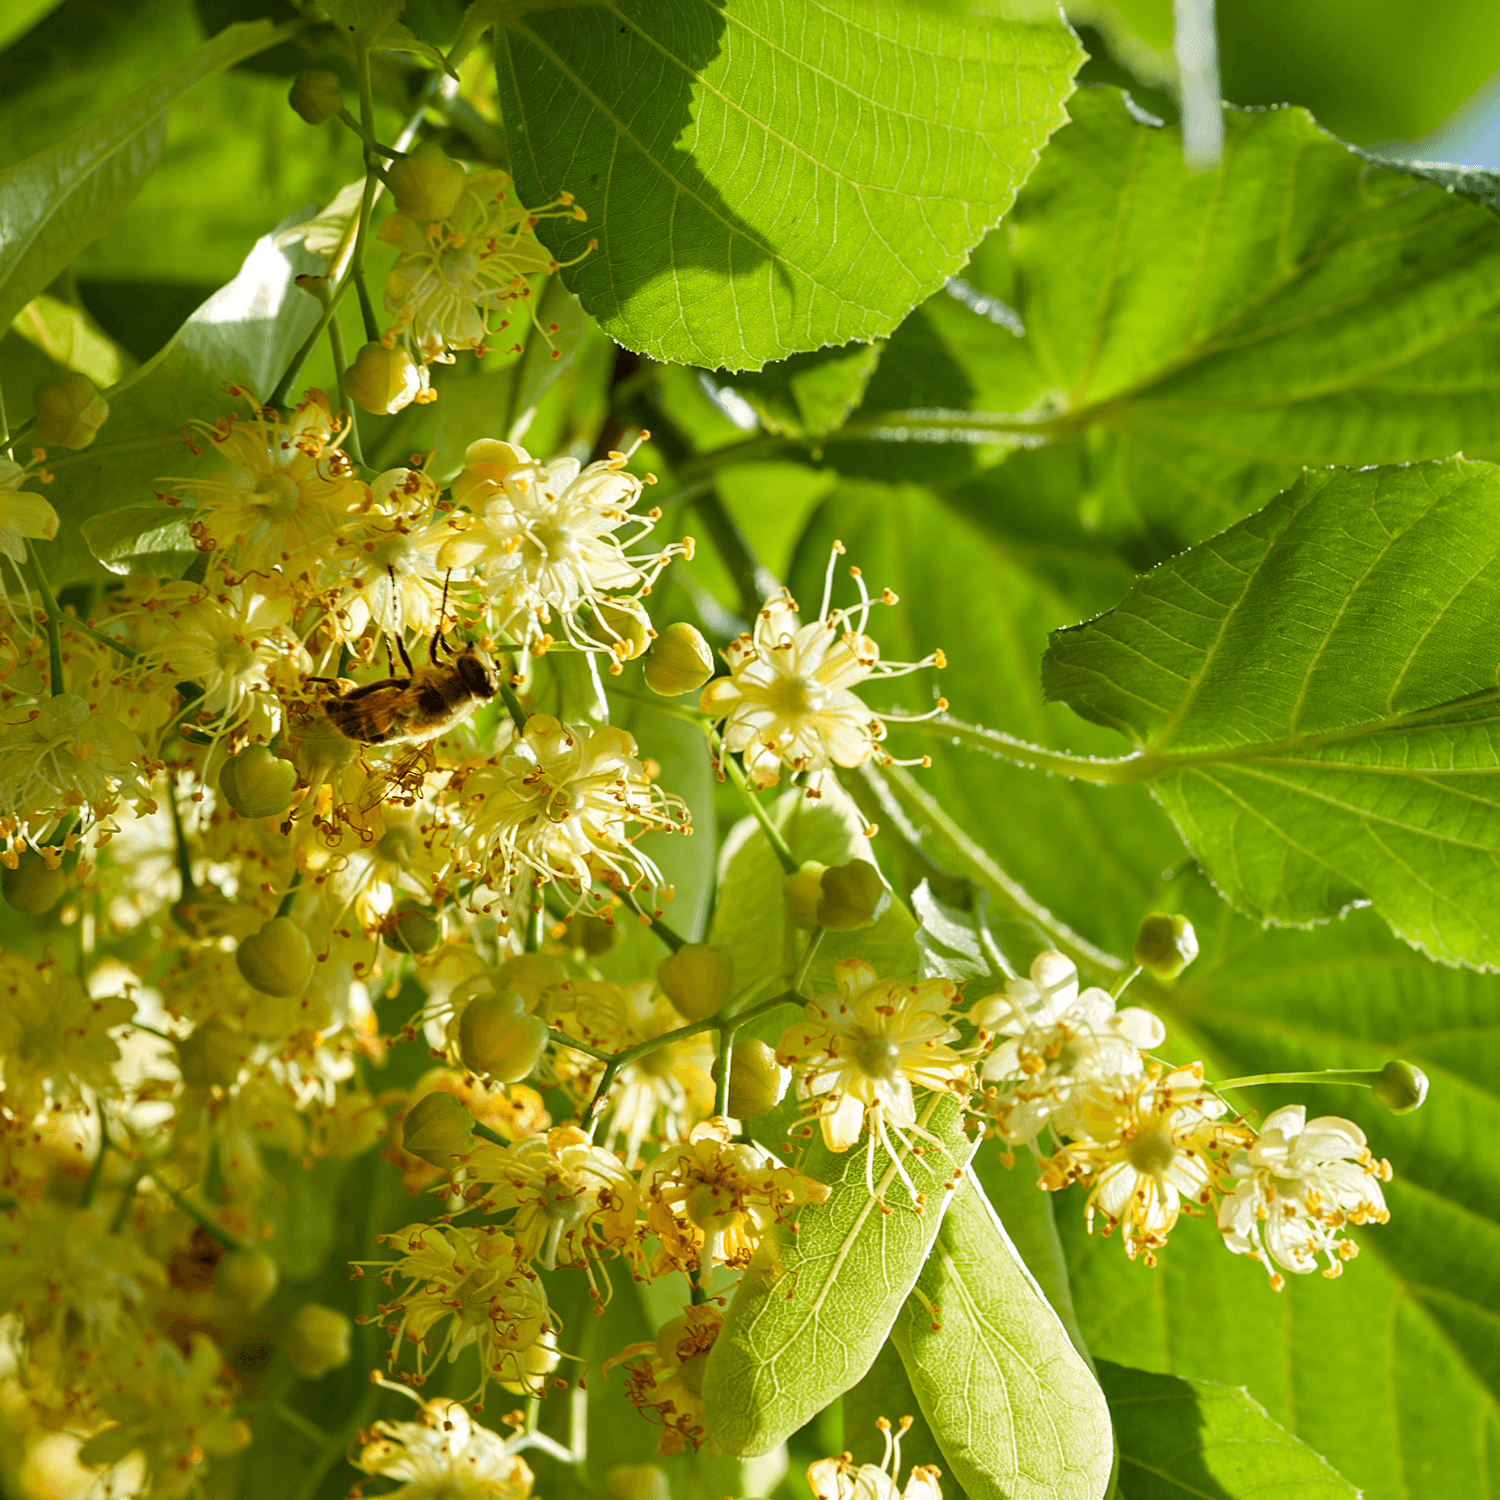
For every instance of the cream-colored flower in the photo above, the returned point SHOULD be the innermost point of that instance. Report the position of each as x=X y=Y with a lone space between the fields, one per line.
x=710 y=1199
x=446 y=1455
x=572 y=1200
x=453 y=274
x=842 y=1479
x=282 y=492
x=862 y=1052
x=55 y=1046
x=567 y=804
x=788 y=702
x=63 y=757
x=1296 y=1187
x=475 y=1281
x=665 y=1382
x=545 y=538
x=23 y=513
x=1157 y=1141
x=1056 y=1043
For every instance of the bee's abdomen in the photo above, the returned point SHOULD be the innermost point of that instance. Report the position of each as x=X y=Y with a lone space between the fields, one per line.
x=432 y=703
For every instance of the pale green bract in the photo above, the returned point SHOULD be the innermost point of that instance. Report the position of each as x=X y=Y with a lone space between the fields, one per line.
x=770 y=176
x=1313 y=697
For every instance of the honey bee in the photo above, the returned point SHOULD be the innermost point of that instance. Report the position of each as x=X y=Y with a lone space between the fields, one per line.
x=415 y=709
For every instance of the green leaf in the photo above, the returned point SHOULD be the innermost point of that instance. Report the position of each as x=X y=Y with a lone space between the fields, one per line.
x=1183 y=1439
x=70 y=337
x=243 y=335
x=149 y=540
x=809 y=395
x=1012 y=1404
x=886 y=1392
x=55 y=202
x=770 y=176
x=1313 y=695
x=817 y=1301
x=1197 y=339
x=1392 y=1371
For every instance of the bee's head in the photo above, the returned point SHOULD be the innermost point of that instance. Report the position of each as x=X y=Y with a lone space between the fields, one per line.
x=477 y=672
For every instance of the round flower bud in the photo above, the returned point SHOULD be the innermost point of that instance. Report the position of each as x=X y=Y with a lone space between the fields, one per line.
x=413 y=929
x=1165 y=944
x=212 y=1055
x=31 y=887
x=636 y=1482
x=529 y=975
x=69 y=412
x=854 y=896
x=439 y=1130
x=498 y=1039
x=318 y=749
x=277 y=960
x=256 y=783
x=317 y=1340
x=757 y=1082
x=696 y=979
x=384 y=381
x=1401 y=1087
x=594 y=935
x=627 y=628
x=248 y=1277
x=428 y=183
x=316 y=95
x=678 y=662
x=537 y=1363
x=801 y=892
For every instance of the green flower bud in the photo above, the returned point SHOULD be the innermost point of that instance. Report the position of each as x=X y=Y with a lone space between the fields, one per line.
x=110 y=1445
x=413 y=929
x=801 y=892
x=427 y=184
x=256 y=783
x=498 y=1039
x=854 y=896
x=318 y=749
x=438 y=1129
x=277 y=960
x=537 y=1363
x=1401 y=1087
x=529 y=975
x=32 y=887
x=636 y=1482
x=316 y=95
x=317 y=1340
x=1165 y=944
x=69 y=412
x=594 y=935
x=678 y=662
x=627 y=629
x=212 y=1055
x=248 y=1277
x=696 y=979
x=384 y=381
x=757 y=1082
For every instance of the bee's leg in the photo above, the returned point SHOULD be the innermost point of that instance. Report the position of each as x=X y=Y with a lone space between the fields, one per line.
x=438 y=634
x=405 y=659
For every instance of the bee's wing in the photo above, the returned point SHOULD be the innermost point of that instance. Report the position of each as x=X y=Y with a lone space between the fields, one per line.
x=368 y=714
x=404 y=775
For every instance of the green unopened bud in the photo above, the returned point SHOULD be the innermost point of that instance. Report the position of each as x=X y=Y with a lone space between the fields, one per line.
x=678 y=662
x=427 y=184
x=256 y=783
x=438 y=1129
x=277 y=960
x=696 y=979
x=537 y=1363
x=248 y=1277
x=854 y=896
x=757 y=1082
x=413 y=929
x=1401 y=1087
x=626 y=629
x=384 y=381
x=32 y=887
x=636 y=1482
x=212 y=1056
x=530 y=975
x=69 y=412
x=498 y=1039
x=317 y=1340
x=316 y=95
x=801 y=892
x=1165 y=944
x=318 y=749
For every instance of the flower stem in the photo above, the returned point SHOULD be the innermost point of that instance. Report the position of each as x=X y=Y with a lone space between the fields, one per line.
x=336 y=348
x=128 y=652
x=370 y=143
x=1352 y=1077
x=367 y=198
x=54 y=636
x=783 y=850
x=282 y=395
x=198 y=1216
x=284 y=907
x=513 y=706
x=309 y=1430
x=96 y=1171
x=667 y=934
x=179 y=839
